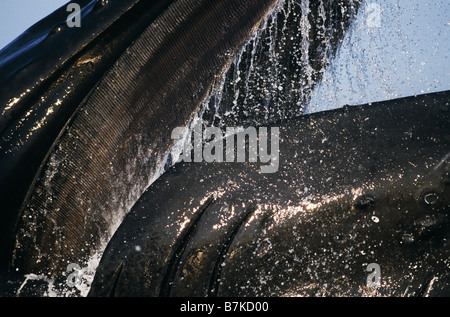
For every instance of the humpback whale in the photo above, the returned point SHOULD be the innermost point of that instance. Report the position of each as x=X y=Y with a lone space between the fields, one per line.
x=145 y=64
x=87 y=115
x=87 y=112
x=358 y=187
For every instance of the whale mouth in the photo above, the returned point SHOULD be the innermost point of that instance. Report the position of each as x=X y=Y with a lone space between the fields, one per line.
x=225 y=229
x=90 y=107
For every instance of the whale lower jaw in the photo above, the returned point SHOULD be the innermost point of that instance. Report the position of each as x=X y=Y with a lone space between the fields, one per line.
x=355 y=186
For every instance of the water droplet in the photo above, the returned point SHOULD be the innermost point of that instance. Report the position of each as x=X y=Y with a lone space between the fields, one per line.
x=408 y=238
x=56 y=29
x=101 y=3
x=430 y=198
x=375 y=219
x=340 y=238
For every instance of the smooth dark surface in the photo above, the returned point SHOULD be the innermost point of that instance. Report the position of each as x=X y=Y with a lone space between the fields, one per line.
x=358 y=185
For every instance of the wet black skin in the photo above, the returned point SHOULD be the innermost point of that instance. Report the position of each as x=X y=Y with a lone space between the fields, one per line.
x=70 y=70
x=42 y=63
x=355 y=186
x=88 y=112
x=83 y=114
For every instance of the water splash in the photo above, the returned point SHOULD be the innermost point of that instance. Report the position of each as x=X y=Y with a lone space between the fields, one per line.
x=273 y=75
x=405 y=54
x=271 y=78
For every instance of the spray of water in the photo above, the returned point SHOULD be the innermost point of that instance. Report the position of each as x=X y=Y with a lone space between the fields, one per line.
x=270 y=78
